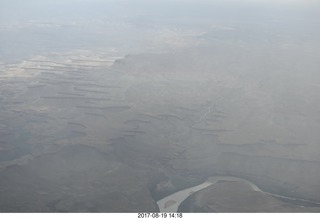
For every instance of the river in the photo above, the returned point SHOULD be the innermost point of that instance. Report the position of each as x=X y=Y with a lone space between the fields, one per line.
x=172 y=202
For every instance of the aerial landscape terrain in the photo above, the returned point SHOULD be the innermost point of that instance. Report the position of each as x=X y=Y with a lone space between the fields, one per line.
x=115 y=106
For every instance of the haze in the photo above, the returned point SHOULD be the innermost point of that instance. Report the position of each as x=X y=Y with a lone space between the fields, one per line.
x=114 y=106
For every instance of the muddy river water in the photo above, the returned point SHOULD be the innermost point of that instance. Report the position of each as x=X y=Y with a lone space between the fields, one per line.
x=172 y=202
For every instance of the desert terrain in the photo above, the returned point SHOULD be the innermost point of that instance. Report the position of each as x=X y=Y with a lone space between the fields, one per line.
x=100 y=112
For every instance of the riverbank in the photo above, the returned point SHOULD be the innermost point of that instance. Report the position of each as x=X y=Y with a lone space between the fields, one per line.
x=235 y=197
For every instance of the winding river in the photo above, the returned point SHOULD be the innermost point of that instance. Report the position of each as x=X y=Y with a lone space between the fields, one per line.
x=172 y=202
